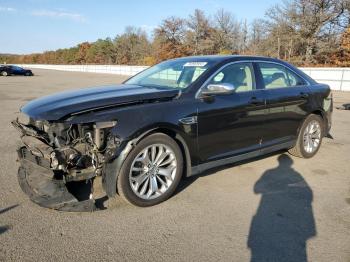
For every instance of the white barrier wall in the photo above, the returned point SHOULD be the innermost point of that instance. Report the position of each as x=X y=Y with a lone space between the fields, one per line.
x=336 y=78
x=103 y=69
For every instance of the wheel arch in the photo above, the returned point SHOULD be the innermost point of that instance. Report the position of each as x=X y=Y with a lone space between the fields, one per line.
x=176 y=136
x=322 y=114
x=112 y=169
x=318 y=112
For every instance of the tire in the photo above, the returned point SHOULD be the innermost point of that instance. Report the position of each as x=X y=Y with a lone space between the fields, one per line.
x=133 y=169
x=301 y=148
x=4 y=73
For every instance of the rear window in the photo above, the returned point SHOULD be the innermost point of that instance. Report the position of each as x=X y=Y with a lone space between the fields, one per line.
x=278 y=76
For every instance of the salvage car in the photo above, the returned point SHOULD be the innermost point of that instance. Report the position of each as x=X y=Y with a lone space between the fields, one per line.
x=8 y=70
x=173 y=120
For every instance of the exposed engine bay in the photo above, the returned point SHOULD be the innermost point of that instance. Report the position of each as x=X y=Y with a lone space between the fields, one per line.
x=72 y=152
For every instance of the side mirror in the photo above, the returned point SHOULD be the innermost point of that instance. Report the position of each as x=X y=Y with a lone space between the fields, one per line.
x=218 y=89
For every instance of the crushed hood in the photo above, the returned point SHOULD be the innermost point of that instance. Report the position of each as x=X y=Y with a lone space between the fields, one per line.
x=60 y=105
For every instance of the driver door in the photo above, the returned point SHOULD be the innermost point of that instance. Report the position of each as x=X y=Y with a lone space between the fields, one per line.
x=230 y=124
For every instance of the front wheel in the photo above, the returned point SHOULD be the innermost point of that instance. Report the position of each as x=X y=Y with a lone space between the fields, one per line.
x=4 y=73
x=151 y=172
x=309 y=138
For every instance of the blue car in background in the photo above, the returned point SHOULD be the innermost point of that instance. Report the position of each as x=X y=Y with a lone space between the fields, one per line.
x=7 y=70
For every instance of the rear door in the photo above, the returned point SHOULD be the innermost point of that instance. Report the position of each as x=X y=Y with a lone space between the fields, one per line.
x=229 y=125
x=286 y=96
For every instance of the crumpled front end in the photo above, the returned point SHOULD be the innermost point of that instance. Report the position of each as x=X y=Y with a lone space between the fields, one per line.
x=47 y=189
x=55 y=156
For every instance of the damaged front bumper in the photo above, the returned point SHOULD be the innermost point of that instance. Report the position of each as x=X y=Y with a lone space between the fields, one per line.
x=59 y=162
x=48 y=188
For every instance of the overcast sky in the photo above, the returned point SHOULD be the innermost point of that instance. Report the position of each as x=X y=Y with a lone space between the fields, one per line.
x=29 y=26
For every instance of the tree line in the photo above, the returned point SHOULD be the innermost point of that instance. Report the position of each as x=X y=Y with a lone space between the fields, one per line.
x=304 y=32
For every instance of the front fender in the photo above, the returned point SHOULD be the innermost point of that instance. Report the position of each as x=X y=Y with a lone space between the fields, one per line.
x=112 y=169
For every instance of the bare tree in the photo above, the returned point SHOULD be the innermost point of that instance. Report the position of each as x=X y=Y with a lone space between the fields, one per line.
x=200 y=32
x=257 y=33
x=169 y=39
x=309 y=20
x=225 y=26
x=132 y=46
x=172 y=29
x=243 y=36
x=305 y=32
x=230 y=35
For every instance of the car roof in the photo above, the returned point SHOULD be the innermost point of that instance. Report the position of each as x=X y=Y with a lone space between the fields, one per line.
x=222 y=58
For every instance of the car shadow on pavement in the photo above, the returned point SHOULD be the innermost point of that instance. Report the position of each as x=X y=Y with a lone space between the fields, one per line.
x=187 y=181
x=284 y=219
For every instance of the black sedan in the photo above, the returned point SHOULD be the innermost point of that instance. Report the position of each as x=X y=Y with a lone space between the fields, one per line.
x=7 y=70
x=175 y=119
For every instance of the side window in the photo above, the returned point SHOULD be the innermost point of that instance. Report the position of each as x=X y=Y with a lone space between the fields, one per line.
x=16 y=68
x=240 y=75
x=294 y=79
x=275 y=76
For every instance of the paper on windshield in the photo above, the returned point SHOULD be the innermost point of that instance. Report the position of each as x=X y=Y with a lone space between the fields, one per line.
x=196 y=64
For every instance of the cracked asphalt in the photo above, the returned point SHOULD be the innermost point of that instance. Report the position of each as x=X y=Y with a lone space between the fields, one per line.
x=274 y=208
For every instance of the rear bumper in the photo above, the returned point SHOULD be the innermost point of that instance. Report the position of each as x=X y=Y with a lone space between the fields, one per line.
x=329 y=123
x=46 y=187
x=328 y=108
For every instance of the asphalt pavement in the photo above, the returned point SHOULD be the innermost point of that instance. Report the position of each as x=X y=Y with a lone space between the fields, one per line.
x=274 y=208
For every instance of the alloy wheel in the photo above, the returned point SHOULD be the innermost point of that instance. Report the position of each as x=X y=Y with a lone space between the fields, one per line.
x=312 y=136
x=153 y=171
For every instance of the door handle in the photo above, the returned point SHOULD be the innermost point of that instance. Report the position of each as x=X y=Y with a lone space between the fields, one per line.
x=255 y=101
x=303 y=95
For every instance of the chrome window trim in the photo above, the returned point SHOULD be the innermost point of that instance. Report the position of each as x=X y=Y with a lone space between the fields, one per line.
x=197 y=95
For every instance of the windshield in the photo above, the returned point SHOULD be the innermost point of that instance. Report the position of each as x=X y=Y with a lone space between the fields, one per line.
x=171 y=74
